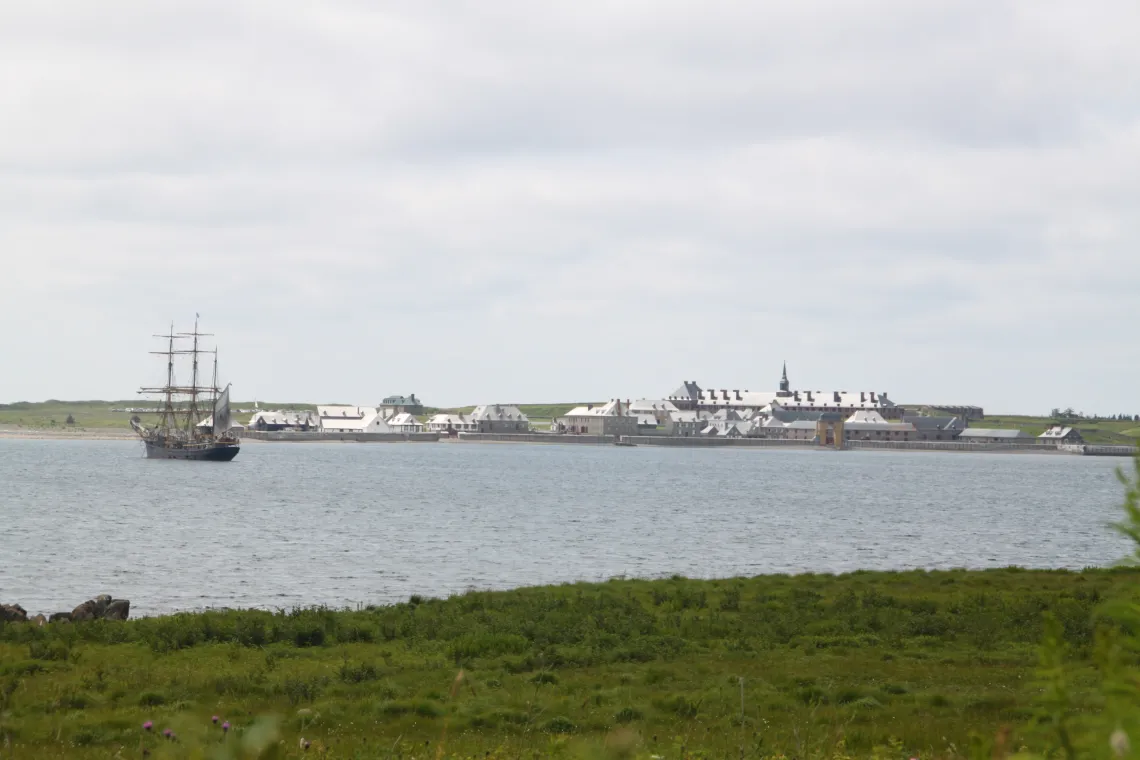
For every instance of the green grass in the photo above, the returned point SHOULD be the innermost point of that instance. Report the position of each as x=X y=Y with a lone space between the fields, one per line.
x=1111 y=432
x=90 y=415
x=914 y=661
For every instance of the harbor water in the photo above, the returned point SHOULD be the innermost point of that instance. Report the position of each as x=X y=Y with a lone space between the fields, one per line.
x=350 y=524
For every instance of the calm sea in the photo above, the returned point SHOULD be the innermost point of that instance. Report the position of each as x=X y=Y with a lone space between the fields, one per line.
x=342 y=524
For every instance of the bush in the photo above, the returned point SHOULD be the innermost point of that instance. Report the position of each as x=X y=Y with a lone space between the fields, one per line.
x=152 y=699
x=628 y=715
x=358 y=673
x=299 y=690
x=559 y=725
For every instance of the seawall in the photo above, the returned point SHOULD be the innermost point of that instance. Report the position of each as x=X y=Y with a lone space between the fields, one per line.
x=274 y=435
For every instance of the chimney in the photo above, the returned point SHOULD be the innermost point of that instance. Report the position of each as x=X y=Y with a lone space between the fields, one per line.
x=737 y=392
x=724 y=394
x=862 y=397
x=873 y=401
x=810 y=399
x=838 y=400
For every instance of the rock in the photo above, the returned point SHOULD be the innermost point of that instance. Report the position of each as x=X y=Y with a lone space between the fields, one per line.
x=119 y=609
x=85 y=611
x=39 y=620
x=101 y=603
x=64 y=617
x=12 y=613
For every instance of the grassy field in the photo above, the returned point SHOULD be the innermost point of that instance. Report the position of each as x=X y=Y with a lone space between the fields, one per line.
x=894 y=664
x=1113 y=432
x=91 y=415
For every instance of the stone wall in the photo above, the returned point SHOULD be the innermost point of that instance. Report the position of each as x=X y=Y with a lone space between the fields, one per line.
x=298 y=437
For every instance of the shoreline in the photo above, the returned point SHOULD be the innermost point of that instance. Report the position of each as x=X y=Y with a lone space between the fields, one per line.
x=80 y=434
x=902 y=575
x=119 y=434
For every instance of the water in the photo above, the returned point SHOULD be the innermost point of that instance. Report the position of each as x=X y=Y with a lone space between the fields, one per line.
x=342 y=524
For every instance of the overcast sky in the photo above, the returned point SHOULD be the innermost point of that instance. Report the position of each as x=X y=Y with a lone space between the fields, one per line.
x=520 y=201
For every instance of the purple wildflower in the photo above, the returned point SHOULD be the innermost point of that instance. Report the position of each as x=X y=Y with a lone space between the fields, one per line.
x=226 y=726
x=148 y=725
x=214 y=720
x=167 y=733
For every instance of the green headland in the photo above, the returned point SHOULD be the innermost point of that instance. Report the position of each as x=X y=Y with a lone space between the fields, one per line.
x=900 y=664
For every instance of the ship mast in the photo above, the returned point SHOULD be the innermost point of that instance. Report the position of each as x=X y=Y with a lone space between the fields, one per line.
x=168 y=419
x=192 y=414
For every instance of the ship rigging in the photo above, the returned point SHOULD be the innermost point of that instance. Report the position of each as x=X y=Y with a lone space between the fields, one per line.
x=181 y=432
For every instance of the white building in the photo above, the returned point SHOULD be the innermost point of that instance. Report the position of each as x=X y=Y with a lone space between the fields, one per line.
x=613 y=418
x=652 y=412
x=351 y=419
x=447 y=423
x=684 y=423
x=284 y=420
x=1061 y=434
x=405 y=423
x=872 y=426
x=691 y=396
x=994 y=435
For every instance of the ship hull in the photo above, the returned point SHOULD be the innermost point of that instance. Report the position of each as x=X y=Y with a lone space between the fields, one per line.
x=213 y=452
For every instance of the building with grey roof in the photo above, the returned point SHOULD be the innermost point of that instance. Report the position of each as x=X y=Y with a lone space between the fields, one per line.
x=450 y=424
x=500 y=418
x=686 y=396
x=612 y=418
x=1061 y=434
x=935 y=428
x=994 y=435
x=692 y=396
x=393 y=405
x=284 y=420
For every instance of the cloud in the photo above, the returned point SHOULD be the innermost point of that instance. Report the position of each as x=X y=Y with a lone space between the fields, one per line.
x=514 y=202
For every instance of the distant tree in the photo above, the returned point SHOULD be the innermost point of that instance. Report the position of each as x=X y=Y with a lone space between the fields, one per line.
x=70 y=420
x=1055 y=413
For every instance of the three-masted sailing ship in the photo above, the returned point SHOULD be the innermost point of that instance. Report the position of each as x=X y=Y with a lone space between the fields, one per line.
x=183 y=430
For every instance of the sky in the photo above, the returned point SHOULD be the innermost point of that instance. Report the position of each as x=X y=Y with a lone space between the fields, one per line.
x=536 y=202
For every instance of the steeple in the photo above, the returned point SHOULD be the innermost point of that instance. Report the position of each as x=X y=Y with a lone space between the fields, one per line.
x=785 y=387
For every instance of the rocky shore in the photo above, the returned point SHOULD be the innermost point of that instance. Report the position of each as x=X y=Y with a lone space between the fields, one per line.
x=102 y=607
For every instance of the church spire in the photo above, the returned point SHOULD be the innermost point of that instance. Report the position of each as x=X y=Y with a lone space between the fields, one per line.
x=785 y=386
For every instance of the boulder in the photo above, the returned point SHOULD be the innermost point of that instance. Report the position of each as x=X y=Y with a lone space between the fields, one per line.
x=12 y=613
x=101 y=603
x=64 y=617
x=119 y=609
x=85 y=611
x=39 y=620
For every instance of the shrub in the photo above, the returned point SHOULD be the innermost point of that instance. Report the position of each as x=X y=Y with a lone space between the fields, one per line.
x=559 y=725
x=151 y=699
x=628 y=715
x=358 y=673
x=299 y=690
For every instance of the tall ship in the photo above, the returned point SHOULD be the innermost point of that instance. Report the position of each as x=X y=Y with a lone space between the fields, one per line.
x=194 y=420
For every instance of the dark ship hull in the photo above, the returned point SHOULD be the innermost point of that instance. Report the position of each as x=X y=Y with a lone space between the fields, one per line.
x=202 y=452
